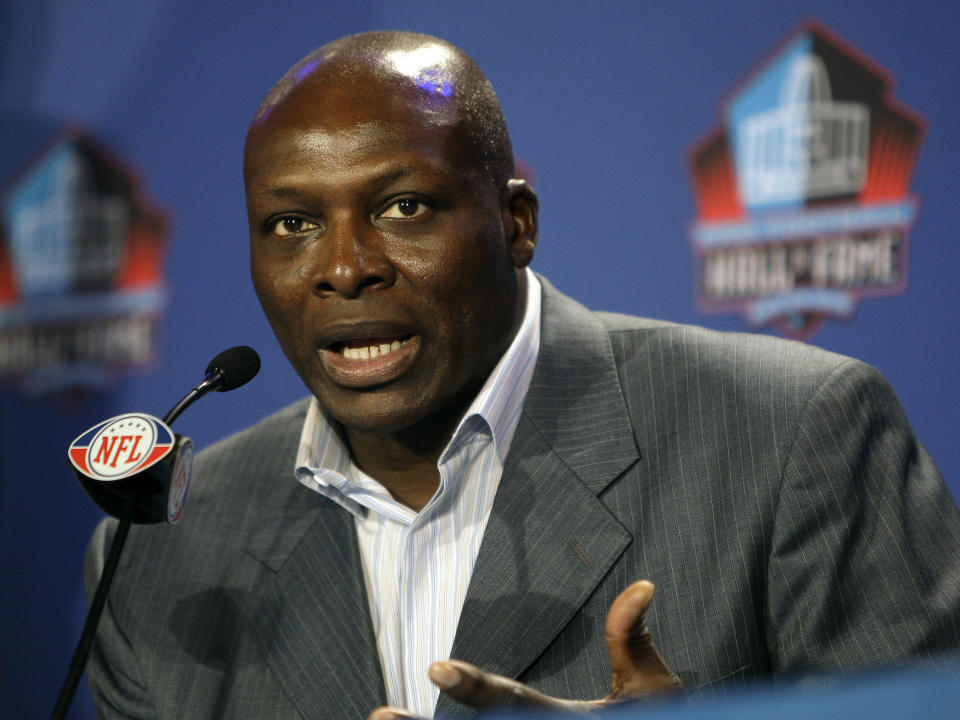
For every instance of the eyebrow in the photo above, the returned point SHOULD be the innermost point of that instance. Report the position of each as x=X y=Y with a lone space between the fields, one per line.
x=378 y=181
x=283 y=192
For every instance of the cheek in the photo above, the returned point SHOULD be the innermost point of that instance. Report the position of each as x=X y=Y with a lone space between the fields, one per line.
x=277 y=276
x=280 y=293
x=470 y=304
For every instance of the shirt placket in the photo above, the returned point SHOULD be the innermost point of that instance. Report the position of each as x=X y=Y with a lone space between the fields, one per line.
x=414 y=568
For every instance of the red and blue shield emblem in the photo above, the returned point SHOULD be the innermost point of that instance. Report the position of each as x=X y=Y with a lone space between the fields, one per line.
x=121 y=446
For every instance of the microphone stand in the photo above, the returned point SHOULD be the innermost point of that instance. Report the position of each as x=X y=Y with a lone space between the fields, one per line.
x=82 y=653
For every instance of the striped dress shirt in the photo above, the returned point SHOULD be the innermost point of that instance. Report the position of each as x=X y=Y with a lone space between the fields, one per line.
x=417 y=566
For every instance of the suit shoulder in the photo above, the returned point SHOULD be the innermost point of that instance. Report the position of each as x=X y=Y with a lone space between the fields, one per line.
x=271 y=438
x=231 y=483
x=235 y=484
x=620 y=322
x=733 y=353
x=757 y=374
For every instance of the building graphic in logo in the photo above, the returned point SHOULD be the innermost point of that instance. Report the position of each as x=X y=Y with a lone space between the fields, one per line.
x=803 y=205
x=80 y=270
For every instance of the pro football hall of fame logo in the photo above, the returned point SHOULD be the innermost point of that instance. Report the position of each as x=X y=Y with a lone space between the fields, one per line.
x=802 y=190
x=80 y=270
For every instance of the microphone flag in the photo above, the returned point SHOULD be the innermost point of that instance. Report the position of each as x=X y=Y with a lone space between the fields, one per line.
x=134 y=453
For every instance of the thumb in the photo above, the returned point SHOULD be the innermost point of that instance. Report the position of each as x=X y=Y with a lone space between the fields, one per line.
x=638 y=669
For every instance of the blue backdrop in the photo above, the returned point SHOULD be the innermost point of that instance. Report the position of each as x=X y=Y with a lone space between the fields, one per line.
x=603 y=100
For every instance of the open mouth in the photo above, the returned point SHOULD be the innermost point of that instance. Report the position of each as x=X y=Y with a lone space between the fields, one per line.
x=368 y=362
x=369 y=348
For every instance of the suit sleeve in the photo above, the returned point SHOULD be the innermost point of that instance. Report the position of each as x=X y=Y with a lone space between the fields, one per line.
x=113 y=670
x=864 y=566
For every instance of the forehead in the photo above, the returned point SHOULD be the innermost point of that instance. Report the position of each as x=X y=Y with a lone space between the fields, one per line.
x=345 y=114
x=434 y=69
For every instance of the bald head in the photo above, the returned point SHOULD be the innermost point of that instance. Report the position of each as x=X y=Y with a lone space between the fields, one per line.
x=383 y=219
x=431 y=75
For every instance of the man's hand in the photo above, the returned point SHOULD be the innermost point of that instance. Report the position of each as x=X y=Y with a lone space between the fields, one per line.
x=638 y=669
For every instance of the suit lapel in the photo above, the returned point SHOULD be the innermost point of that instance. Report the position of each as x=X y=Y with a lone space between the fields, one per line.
x=313 y=623
x=550 y=541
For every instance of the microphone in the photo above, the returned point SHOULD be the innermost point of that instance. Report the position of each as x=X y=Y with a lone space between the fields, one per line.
x=236 y=366
x=136 y=469
x=137 y=455
x=227 y=371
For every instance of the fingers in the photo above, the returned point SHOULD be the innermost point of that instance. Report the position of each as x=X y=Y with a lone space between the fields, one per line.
x=389 y=713
x=638 y=669
x=471 y=686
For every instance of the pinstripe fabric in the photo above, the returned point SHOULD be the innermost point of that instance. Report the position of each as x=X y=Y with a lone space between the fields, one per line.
x=417 y=566
x=774 y=493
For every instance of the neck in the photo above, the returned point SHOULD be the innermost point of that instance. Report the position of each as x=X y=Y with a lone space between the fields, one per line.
x=405 y=462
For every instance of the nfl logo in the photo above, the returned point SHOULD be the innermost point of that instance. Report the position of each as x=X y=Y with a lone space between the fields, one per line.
x=121 y=447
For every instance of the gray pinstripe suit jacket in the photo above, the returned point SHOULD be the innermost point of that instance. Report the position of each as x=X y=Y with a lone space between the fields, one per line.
x=773 y=492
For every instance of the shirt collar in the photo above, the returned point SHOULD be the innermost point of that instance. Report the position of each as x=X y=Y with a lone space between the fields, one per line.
x=501 y=398
x=323 y=458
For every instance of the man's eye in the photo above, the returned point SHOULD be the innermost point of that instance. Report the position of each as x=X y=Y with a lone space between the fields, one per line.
x=405 y=208
x=291 y=226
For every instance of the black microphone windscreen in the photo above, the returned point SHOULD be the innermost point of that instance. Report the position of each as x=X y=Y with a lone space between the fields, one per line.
x=237 y=366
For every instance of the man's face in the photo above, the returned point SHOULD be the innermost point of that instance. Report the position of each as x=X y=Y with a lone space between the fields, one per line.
x=380 y=253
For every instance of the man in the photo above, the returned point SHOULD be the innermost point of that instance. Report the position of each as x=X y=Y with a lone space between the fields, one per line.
x=485 y=465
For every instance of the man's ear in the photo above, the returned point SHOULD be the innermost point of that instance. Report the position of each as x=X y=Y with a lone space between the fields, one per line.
x=520 y=209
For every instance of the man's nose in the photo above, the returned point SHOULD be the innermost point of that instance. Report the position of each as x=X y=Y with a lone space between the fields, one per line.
x=353 y=260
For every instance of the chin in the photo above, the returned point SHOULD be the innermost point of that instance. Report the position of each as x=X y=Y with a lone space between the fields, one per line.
x=372 y=413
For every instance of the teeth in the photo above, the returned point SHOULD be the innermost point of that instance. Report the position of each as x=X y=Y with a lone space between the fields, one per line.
x=368 y=353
